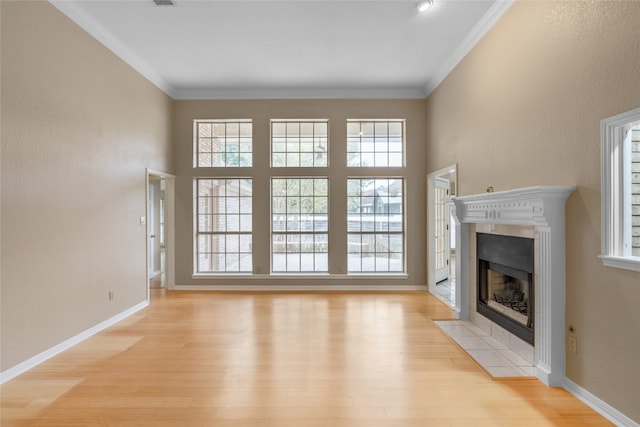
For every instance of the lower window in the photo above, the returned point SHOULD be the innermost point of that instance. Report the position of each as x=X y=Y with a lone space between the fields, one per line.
x=299 y=225
x=223 y=225
x=375 y=229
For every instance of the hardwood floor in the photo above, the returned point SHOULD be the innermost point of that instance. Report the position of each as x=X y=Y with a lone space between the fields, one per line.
x=279 y=360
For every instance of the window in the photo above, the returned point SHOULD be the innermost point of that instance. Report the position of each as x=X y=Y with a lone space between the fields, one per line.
x=299 y=143
x=223 y=143
x=290 y=189
x=299 y=224
x=375 y=229
x=223 y=225
x=375 y=143
x=620 y=157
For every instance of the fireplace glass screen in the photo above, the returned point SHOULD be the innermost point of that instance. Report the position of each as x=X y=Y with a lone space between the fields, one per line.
x=505 y=283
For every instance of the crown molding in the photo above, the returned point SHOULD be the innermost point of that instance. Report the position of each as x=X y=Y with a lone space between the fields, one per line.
x=107 y=39
x=299 y=93
x=483 y=26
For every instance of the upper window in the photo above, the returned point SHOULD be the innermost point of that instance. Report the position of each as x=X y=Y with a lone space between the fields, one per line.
x=223 y=225
x=375 y=229
x=223 y=143
x=300 y=224
x=375 y=143
x=299 y=143
x=620 y=156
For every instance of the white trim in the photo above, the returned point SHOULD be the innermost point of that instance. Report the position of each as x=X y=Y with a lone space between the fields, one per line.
x=66 y=344
x=170 y=226
x=632 y=264
x=221 y=93
x=106 y=38
x=430 y=209
x=598 y=405
x=111 y=42
x=483 y=26
x=297 y=276
x=310 y=288
x=544 y=208
x=613 y=165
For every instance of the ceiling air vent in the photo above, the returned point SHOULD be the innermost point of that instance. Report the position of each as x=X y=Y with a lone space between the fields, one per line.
x=164 y=2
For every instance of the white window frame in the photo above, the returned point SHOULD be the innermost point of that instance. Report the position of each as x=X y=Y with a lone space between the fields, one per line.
x=319 y=148
x=616 y=184
x=226 y=122
x=385 y=153
x=286 y=233
x=402 y=233
x=221 y=233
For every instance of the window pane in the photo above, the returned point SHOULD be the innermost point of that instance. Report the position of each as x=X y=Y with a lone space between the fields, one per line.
x=299 y=143
x=278 y=160
x=375 y=225
x=299 y=223
x=223 y=143
x=293 y=159
x=370 y=143
x=223 y=233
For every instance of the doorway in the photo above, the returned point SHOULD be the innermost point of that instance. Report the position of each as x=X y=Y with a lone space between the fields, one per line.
x=160 y=230
x=441 y=186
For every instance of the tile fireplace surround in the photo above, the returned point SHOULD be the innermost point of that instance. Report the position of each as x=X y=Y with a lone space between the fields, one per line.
x=537 y=212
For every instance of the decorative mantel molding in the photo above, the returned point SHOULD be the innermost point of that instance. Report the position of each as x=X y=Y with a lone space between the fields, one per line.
x=524 y=206
x=544 y=208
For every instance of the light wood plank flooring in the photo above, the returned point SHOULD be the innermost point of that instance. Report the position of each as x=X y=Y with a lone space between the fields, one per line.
x=279 y=360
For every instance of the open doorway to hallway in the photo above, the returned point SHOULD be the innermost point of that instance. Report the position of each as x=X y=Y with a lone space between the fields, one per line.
x=160 y=231
x=441 y=186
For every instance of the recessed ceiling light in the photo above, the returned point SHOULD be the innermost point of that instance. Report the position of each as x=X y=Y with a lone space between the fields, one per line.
x=424 y=5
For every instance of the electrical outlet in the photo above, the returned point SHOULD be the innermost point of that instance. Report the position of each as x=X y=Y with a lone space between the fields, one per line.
x=111 y=293
x=573 y=344
x=143 y=220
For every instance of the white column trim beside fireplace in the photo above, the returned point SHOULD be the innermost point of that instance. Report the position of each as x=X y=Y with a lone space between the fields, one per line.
x=544 y=208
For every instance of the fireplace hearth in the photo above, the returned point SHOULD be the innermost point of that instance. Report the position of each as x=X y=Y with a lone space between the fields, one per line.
x=505 y=282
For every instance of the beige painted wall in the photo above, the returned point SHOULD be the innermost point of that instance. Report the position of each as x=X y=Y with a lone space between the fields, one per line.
x=337 y=111
x=524 y=109
x=79 y=126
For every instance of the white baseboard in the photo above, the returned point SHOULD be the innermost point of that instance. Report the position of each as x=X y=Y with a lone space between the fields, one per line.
x=603 y=408
x=59 y=348
x=314 y=288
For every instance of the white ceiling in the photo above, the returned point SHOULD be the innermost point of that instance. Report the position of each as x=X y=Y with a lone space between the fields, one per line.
x=242 y=49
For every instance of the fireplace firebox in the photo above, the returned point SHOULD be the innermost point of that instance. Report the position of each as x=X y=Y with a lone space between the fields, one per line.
x=505 y=292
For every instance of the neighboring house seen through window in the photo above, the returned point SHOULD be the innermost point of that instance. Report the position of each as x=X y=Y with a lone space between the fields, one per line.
x=375 y=211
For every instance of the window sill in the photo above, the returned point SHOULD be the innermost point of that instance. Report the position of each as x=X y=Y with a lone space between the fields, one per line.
x=626 y=263
x=298 y=276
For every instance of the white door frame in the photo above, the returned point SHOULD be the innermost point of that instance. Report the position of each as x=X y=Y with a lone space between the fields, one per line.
x=431 y=259
x=169 y=223
x=151 y=226
x=442 y=273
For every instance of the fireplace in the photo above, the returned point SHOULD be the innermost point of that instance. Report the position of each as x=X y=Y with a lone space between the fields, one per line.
x=541 y=210
x=505 y=290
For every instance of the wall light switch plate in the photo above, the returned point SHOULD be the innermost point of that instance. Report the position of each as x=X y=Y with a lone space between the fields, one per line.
x=573 y=344
x=143 y=220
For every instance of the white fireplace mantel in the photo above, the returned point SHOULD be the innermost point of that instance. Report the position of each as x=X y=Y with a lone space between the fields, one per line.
x=544 y=208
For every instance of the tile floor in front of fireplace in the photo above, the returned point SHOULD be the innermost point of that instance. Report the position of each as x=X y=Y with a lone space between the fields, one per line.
x=490 y=353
